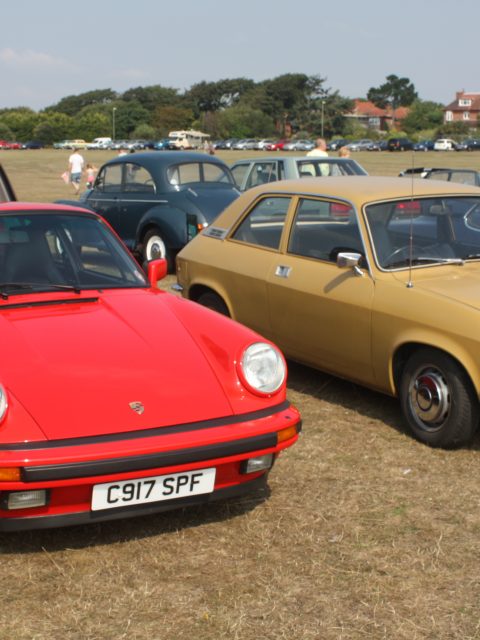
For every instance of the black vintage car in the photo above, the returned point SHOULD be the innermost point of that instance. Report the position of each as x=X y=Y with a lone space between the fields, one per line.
x=158 y=202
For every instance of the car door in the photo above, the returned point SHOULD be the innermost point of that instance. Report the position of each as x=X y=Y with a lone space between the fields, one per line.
x=122 y=194
x=253 y=248
x=321 y=314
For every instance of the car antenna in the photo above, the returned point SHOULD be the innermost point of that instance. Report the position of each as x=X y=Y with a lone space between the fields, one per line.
x=410 y=248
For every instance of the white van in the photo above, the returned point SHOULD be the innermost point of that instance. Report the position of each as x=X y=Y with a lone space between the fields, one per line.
x=100 y=143
x=188 y=139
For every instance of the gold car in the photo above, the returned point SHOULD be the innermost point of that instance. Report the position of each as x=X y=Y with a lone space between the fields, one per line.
x=376 y=280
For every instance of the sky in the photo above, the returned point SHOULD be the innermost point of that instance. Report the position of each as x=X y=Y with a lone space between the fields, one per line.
x=53 y=49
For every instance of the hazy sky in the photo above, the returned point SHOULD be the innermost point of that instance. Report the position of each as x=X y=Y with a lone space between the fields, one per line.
x=50 y=49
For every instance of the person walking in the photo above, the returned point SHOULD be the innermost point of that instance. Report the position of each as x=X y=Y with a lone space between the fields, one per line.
x=75 y=169
x=91 y=172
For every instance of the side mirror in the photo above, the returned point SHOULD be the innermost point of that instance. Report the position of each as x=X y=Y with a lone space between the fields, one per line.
x=350 y=260
x=156 y=270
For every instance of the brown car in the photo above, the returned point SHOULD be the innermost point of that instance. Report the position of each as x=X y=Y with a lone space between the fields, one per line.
x=371 y=279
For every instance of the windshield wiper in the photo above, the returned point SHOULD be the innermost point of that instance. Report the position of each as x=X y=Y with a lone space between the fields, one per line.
x=30 y=286
x=425 y=259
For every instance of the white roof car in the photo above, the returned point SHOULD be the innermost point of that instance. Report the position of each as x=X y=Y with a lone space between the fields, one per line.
x=444 y=144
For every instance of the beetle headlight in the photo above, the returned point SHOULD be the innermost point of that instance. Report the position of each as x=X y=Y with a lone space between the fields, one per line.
x=262 y=368
x=3 y=402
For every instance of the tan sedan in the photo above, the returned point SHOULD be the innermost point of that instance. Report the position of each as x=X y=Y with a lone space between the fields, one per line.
x=376 y=280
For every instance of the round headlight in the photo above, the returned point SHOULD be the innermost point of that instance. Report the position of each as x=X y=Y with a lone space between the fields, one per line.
x=3 y=402
x=263 y=368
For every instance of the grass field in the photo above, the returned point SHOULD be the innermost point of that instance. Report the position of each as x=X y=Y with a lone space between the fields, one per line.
x=363 y=534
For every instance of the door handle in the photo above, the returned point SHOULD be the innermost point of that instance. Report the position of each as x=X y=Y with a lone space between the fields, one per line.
x=282 y=271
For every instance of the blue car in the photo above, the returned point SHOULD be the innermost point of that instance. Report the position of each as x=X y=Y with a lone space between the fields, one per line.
x=157 y=202
x=423 y=145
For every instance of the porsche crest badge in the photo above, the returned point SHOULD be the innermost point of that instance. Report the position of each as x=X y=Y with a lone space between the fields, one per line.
x=137 y=407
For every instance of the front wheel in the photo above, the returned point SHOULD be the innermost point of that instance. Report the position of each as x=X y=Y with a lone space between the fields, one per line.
x=154 y=248
x=214 y=302
x=438 y=400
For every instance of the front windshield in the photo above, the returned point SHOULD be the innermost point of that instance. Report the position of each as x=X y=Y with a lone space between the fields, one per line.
x=57 y=251
x=423 y=231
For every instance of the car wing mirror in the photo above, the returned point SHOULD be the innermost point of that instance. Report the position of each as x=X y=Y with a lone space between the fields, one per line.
x=156 y=270
x=350 y=260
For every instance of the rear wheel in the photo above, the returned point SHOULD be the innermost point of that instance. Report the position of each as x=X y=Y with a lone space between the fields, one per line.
x=438 y=399
x=214 y=302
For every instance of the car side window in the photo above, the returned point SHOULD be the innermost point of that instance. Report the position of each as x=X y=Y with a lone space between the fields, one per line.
x=138 y=179
x=110 y=179
x=324 y=228
x=261 y=173
x=239 y=172
x=264 y=225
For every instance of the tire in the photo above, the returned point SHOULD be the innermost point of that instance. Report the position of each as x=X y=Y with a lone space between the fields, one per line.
x=214 y=302
x=154 y=247
x=438 y=400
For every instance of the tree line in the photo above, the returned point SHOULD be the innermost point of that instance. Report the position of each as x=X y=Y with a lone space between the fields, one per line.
x=291 y=104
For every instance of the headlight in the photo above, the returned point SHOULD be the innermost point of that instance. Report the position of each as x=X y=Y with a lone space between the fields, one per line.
x=262 y=368
x=3 y=402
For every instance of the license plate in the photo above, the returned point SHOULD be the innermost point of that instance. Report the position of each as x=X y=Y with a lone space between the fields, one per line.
x=112 y=495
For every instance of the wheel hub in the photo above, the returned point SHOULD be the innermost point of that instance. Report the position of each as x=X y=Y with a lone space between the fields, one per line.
x=430 y=397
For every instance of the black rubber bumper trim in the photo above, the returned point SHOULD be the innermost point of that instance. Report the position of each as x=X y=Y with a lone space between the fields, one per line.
x=90 y=517
x=150 y=461
x=147 y=433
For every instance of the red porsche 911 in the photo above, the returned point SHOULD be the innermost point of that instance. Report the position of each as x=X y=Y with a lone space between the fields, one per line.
x=117 y=398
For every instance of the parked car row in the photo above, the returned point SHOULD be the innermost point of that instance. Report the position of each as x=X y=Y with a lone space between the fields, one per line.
x=30 y=144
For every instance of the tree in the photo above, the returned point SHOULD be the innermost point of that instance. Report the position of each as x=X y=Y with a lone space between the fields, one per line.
x=71 y=105
x=166 y=119
x=423 y=116
x=150 y=98
x=395 y=92
x=243 y=121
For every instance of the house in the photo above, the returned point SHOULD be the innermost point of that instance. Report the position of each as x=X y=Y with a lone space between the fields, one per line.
x=372 y=117
x=465 y=108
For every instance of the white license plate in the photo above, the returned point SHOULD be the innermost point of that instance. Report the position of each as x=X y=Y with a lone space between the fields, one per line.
x=112 y=495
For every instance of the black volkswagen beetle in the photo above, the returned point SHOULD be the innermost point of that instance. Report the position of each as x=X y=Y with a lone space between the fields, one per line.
x=158 y=202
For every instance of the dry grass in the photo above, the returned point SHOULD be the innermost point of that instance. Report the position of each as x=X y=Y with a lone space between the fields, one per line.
x=365 y=533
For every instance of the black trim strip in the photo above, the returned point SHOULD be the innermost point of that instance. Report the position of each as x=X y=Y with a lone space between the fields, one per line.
x=24 y=523
x=45 y=303
x=146 y=433
x=150 y=461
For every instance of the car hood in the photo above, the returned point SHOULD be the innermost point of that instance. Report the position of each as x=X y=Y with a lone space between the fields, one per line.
x=456 y=282
x=211 y=201
x=77 y=368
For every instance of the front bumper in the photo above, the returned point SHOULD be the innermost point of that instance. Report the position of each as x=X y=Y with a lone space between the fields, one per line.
x=69 y=469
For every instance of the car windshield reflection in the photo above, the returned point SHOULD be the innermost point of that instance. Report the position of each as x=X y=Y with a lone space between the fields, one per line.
x=419 y=231
x=63 y=252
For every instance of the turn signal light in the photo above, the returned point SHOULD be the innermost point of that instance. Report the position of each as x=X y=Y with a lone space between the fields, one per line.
x=10 y=474
x=286 y=434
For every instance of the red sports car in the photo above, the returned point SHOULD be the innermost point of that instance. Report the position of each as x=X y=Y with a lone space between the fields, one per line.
x=117 y=398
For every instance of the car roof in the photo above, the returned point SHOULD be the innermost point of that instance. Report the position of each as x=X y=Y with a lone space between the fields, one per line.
x=292 y=159
x=154 y=158
x=365 y=188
